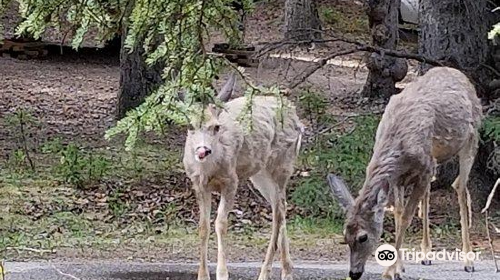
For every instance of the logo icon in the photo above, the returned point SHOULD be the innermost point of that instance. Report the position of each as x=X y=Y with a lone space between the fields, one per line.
x=386 y=255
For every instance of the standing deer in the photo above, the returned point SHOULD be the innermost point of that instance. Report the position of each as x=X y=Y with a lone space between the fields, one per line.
x=433 y=119
x=219 y=154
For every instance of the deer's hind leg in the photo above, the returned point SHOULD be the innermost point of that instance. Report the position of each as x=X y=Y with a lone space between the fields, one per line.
x=426 y=244
x=286 y=262
x=264 y=182
x=398 y=216
x=466 y=158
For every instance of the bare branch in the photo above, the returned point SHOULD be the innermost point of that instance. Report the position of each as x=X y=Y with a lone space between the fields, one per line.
x=322 y=62
x=357 y=46
x=40 y=251
x=490 y=197
x=65 y=274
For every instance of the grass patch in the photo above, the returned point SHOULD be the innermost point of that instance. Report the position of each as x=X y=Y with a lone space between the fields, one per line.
x=42 y=208
x=314 y=226
x=345 y=151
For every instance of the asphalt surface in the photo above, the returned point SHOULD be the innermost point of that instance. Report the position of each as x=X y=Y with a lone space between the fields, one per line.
x=123 y=270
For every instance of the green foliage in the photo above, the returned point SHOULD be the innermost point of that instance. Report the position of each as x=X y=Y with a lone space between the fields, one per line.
x=53 y=146
x=172 y=33
x=75 y=17
x=310 y=225
x=78 y=168
x=22 y=124
x=490 y=132
x=494 y=32
x=352 y=151
x=20 y=117
x=345 y=153
x=330 y=15
x=491 y=128
x=17 y=161
x=315 y=106
x=344 y=20
x=312 y=195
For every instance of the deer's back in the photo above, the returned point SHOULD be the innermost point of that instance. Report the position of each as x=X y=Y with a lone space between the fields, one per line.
x=272 y=138
x=436 y=114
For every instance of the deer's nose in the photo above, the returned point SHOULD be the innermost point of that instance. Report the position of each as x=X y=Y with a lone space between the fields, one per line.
x=355 y=275
x=202 y=152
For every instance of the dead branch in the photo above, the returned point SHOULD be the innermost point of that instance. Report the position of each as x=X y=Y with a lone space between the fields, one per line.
x=322 y=62
x=39 y=251
x=65 y=274
x=272 y=46
x=487 y=220
x=358 y=47
x=490 y=196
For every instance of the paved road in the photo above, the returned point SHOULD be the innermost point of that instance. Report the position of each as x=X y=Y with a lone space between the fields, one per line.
x=117 y=270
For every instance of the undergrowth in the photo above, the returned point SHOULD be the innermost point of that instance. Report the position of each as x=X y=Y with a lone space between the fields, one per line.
x=490 y=133
x=344 y=20
x=344 y=151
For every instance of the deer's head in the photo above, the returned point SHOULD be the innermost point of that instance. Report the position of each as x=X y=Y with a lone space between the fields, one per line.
x=363 y=225
x=203 y=139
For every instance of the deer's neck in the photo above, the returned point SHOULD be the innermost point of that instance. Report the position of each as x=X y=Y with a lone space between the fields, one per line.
x=375 y=193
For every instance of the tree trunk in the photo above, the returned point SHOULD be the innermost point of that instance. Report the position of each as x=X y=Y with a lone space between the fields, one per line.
x=384 y=71
x=137 y=79
x=455 y=31
x=301 y=20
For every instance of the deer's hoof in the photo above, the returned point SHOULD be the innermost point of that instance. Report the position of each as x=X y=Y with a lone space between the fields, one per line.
x=203 y=276
x=397 y=276
x=469 y=268
x=426 y=262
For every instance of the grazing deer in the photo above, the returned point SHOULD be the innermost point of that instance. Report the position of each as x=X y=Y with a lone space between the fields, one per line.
x=433 y=119
x=219 y=154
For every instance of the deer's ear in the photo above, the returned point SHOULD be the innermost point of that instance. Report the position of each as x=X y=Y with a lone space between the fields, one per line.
x=228 y=88
x=181 y=95
x=383 y=194
x=340 y=192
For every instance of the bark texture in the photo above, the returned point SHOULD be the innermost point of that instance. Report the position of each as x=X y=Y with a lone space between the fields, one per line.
x=384 y=71
x=301 y=20
x=455 y=31
x=137 y=79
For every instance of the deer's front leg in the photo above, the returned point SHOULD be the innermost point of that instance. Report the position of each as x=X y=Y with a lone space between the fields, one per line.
x=225 y=206
x=204 y=198
x=395 y=271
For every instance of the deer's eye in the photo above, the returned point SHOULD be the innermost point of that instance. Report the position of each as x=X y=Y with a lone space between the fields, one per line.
x=216 y=128
x=363 y=238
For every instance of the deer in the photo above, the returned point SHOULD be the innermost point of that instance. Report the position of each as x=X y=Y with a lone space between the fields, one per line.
x=434 y=119
x=219 y=153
